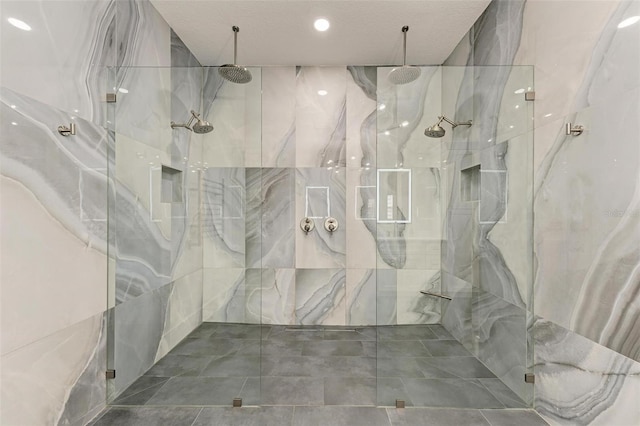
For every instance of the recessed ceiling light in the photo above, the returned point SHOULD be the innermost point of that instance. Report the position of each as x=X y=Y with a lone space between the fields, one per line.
x=629 y=21
x=322 y=92
x=19 y=24
x=321 y=24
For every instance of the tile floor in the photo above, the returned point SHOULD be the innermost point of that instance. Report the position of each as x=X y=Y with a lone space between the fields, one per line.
x=309 y=376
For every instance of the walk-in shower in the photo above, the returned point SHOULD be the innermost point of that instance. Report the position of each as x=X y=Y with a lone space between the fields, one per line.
x=314 y=249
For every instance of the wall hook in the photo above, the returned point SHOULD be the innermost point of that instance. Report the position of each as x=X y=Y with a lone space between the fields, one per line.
x=66 y=131
x=574 y=130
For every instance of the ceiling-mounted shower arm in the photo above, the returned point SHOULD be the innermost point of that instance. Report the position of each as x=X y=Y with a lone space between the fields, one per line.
x=405 y=29
x=236 y=30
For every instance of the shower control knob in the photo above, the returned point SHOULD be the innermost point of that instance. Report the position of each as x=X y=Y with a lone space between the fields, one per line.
x=331 y=224
x=307 y=225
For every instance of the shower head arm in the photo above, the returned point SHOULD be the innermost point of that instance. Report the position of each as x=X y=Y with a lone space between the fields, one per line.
x=454 y=124
x=236 y=30
x=405 y=29
x=187 y=125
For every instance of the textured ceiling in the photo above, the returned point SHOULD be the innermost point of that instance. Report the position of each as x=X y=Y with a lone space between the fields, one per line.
x=363 y=32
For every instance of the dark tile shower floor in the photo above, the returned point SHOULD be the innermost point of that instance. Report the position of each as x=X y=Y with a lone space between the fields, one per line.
x=279 y=365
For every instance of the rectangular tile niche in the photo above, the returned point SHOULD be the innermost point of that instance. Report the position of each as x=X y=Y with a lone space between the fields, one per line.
x=470 y=183
x=171 y=191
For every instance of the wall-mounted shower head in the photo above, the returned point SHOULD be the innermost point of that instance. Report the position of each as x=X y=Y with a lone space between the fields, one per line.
x=200 y=125
x=406 y=73
x=233 y=72
x=436 y=131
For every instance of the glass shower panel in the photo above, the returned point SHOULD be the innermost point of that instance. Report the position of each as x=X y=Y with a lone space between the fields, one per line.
x=177 y=321
x=454 y=275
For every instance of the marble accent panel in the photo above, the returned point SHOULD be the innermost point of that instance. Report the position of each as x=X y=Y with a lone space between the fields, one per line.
x=320 y=296
x=271 y=295
x=57 y=218
x=184 y=311
x=320 y=248
x=321 y=117
x=579 y=382
x=223 y=295
x=224 y=217
x=57 y=379
x=270 y=221
x=279 y=116
x=181 y=56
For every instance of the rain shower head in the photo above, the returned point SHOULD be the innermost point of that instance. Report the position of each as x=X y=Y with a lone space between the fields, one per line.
x=233 y=72
x=406 y=73
x=200 y=125
x=436 y=131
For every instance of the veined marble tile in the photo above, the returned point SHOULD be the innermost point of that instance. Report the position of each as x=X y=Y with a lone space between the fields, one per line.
x=581 y=382
x=387 y=296
x=587 y=228
x=181 y=56
x=362 y=297
x=457 y=313
x=143 y=110
x=361 y=116
x=271 y=221
x=414 y=307
x=271 y=295
x=320 y=193
x=144 y=35
x=224 y=217
x=320 y=296
x=404 y=111
x=57 y=193
x=500 y=330
x=138 y=330
x=184 y=311
x=279 y=116
x=62 y=61
x=235 y=112
x=224 y=295
x=54 y=380
x=321 y=117
x=360 y=220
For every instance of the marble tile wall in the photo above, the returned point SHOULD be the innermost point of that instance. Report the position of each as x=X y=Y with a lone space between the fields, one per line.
x=319 y=130
x=56 y=247
x=584 y=195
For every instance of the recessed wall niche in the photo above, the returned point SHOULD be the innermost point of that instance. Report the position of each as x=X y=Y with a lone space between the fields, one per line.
x=470 y=183
x=171 y=191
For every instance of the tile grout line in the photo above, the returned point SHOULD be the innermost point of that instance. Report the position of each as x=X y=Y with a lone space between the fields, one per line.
x=198 y=415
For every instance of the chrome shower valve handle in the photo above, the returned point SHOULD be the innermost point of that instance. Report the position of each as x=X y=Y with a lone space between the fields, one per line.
x=307 y=225
x=331 y=224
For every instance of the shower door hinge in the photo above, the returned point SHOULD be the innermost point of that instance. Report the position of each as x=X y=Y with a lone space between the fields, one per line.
x=111 y=98
x=111 y=374
x=530 y=96
x=529 y=378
